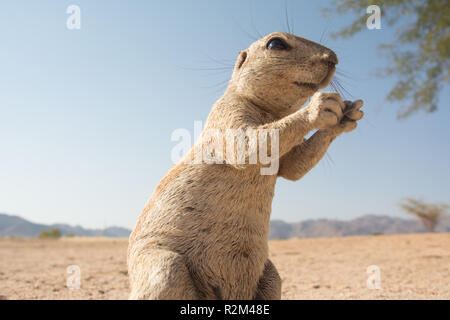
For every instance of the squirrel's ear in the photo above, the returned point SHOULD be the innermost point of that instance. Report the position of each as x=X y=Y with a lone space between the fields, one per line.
x=241 y=59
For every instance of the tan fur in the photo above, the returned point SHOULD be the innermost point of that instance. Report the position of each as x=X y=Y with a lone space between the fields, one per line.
x=203 y=234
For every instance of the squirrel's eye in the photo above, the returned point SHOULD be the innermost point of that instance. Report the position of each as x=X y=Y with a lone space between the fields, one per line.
x=277 y=44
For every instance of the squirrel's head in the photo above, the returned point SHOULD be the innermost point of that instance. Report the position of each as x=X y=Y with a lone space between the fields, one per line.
x=280 y=71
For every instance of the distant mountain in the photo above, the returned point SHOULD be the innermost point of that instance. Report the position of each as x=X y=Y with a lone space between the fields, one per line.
x=365 y=225
x=19 y=227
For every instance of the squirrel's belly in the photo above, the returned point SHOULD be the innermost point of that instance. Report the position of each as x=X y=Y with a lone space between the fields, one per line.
x=218 y=219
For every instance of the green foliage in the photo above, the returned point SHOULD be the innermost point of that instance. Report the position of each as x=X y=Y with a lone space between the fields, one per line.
x=429 y=214
x=53 y=233
x=420 y=56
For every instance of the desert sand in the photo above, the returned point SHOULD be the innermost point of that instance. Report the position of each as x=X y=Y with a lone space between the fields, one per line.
x=413 y=266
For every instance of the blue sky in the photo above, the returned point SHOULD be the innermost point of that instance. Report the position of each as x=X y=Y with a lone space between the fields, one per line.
x=86 y=115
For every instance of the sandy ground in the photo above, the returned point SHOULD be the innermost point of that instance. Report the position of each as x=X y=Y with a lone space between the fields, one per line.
x=411 y=267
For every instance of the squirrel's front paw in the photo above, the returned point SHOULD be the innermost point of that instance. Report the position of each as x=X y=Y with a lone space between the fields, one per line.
x=351 y=115
x=325 y=110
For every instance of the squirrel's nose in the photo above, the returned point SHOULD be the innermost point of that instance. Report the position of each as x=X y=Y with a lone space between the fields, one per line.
x=327 y=57
x=330 y=57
